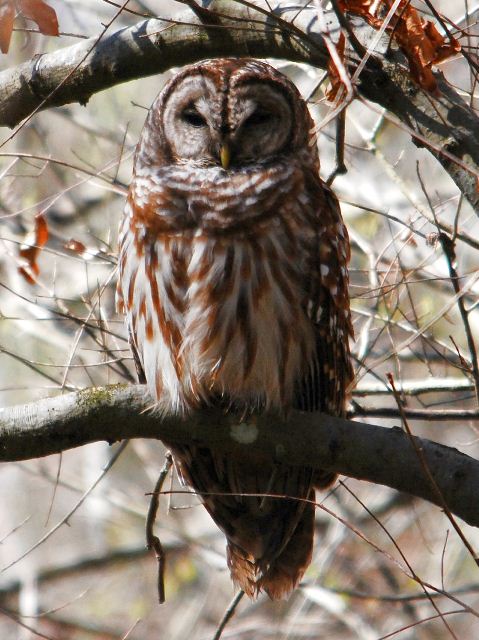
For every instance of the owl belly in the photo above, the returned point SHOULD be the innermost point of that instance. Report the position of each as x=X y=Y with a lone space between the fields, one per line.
x=243 y=333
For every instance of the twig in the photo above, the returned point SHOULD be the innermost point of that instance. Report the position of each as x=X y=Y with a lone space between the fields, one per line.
x=447 y=245
x=344 y=22
x=414 y=575
x=75 y=507
x=340 y=167
x=17 y=620
x=415 y=387
x=152 y=541
x=375 y=40
x=347 y=91
x=428 y=619
x=439 y=494
x=414 y=414
x=449 y=250
x=364 y=595
x=228 y=614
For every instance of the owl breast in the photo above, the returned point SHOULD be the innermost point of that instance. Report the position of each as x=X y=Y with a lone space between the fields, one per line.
x=224 y=257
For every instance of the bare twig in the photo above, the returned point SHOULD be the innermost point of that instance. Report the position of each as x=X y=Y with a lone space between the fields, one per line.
x=17 y=620
x=438 y=415
x=152 y=541
x=439 y=494
x=401 y=553
x=75 y=508
x=228 y=614
x=447 y=245
x=415 y=387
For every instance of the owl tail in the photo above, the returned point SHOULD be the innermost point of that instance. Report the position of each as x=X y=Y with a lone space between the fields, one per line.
x=276 y=576
x=266 y=514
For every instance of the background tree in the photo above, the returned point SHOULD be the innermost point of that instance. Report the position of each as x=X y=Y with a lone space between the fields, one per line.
x=386 y=564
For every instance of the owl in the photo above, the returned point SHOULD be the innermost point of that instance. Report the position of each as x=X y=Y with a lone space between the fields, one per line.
x=233 y=279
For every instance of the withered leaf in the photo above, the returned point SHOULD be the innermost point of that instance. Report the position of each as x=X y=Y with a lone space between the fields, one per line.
x=76 y=246
x=418 y=39
x=36 y=10
x=41 y=13
x=30 y=251
x=7 y=15
x=333 y=73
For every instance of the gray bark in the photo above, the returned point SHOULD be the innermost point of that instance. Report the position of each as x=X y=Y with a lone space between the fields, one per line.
x=363 y=451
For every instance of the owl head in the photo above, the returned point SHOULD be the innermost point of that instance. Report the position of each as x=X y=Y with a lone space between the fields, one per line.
x=227 y=112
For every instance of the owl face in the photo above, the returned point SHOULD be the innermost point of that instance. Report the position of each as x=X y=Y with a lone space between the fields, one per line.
x=228 y=113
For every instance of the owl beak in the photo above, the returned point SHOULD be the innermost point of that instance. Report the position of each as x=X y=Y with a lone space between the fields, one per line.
x=225 y=155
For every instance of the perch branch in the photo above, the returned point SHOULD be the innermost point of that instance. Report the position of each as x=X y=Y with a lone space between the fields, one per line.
x=445 y=124
x=364 y=451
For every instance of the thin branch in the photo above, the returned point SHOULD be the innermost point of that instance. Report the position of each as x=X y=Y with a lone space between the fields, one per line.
x=228 y=614
x=448 y=248
x=75 y=507
x=153 y=541
x=415 y=387
x=363 y=451
x=427 y=471
x=420 y=595
x=443 y=415
x=86 y=563
x=18 y=621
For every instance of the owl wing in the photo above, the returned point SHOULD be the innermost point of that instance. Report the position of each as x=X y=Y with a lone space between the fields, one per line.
x=325 y=386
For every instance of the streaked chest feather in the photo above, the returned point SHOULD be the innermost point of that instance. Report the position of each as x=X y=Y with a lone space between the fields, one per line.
x=223 y=317
x=221 y=314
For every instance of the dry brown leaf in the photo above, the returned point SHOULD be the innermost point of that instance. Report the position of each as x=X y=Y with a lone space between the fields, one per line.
x=418 y=39
x=7 y=15
x=443 y=49
x=419 y=50
x=76 y=246
x=333 y=73
x=41 y=13
x=423 y=46
x=30 y=251
x=360 y=7
x=36 y=10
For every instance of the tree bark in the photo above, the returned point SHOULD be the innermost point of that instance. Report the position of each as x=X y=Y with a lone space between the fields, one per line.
x=443 y=123
x=363 y=451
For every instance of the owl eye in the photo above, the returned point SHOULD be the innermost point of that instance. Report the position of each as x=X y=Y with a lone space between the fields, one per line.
x=193 y=118
x=260 y=116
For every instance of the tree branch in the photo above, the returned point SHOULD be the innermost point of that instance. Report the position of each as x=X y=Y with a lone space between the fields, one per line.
x=363 y=451
x=437 y=415
x=444 y=123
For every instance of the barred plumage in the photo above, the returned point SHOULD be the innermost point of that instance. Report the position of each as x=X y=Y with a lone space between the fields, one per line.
x=234 y=283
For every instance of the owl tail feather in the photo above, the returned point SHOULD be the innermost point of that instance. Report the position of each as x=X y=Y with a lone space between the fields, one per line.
x=280 y=575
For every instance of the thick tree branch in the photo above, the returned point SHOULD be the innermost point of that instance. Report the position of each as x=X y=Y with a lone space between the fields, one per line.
x=443 y=123
x=363 y=451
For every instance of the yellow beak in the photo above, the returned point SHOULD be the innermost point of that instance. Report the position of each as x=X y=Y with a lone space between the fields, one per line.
x=225 y=155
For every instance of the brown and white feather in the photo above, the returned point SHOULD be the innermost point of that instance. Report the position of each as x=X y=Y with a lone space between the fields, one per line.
x=235 y=288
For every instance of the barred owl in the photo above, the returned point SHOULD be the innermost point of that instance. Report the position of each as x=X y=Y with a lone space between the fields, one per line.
x=233 y=278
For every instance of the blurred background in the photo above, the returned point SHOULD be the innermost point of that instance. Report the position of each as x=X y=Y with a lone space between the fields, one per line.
x=73 y=563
